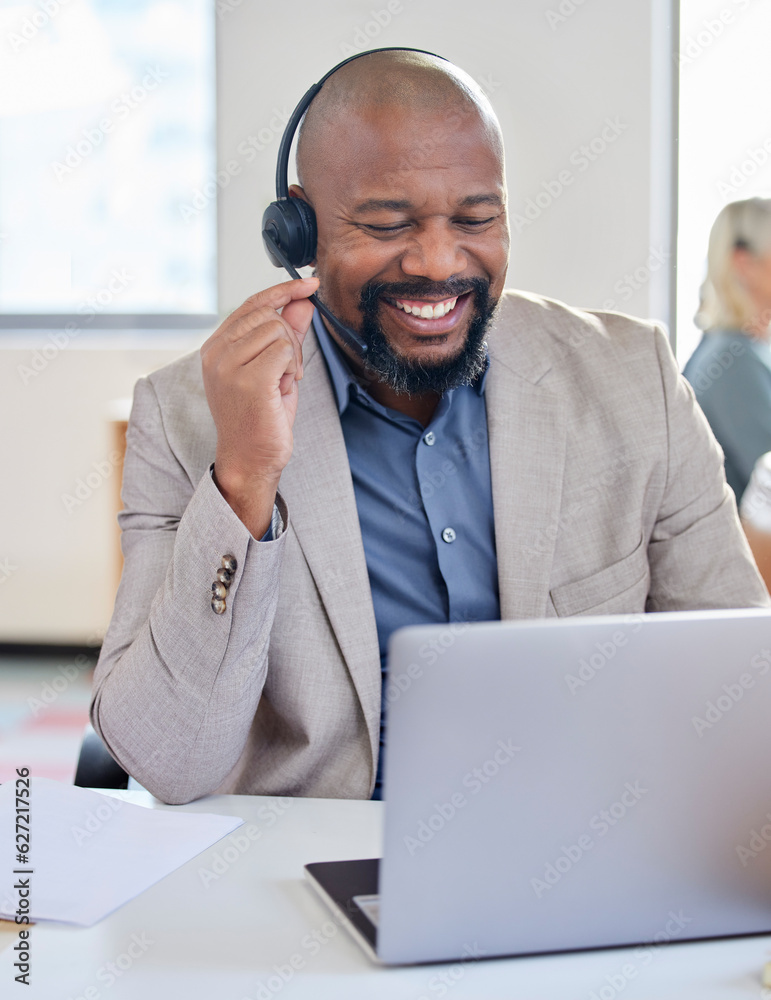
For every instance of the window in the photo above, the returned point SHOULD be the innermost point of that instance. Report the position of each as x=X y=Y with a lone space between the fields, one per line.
x=107 y=150
x=725 y=132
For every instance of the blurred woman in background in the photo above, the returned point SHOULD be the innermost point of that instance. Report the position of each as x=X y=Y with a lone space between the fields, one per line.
x=730 y=370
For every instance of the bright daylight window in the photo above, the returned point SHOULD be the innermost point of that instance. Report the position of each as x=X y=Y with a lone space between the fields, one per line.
x=725 y=131
x=106 y=134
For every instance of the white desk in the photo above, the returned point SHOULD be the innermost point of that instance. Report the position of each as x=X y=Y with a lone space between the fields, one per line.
x=222 y=938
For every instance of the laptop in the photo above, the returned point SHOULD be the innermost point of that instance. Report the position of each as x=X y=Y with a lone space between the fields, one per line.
x=568 y=784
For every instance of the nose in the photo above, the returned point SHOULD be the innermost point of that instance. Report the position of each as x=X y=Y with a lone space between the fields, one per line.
x=434 y=252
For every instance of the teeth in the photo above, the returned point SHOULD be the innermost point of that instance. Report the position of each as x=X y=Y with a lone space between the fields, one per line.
x=429 y=310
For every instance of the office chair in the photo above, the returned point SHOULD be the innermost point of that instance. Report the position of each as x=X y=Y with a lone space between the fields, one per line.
x=97 y=768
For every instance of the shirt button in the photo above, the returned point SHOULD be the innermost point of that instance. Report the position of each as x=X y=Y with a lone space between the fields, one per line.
x=448 y=535
x=429 y=438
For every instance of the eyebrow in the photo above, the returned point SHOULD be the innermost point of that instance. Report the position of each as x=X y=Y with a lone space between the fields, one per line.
x=482 y=199
x=396 y=205
x=385 y=204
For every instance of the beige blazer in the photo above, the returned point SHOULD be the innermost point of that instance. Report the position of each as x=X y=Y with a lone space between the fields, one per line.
x=609 y=497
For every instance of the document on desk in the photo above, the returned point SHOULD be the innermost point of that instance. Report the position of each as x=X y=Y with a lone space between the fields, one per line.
x=73 y=855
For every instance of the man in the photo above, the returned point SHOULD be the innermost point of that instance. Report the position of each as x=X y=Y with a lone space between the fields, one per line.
x=550 y=462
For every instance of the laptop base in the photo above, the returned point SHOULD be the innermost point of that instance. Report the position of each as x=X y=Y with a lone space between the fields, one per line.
x=339 y=883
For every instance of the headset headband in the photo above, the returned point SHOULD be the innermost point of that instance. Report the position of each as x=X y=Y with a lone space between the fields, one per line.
x=282 y=165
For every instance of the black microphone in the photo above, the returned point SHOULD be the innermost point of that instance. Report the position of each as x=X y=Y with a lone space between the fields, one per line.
x=351 y=338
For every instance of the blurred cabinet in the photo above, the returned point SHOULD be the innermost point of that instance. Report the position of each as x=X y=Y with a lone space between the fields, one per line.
x=117 y=417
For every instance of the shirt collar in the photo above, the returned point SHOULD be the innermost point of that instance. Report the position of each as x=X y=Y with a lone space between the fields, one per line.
x=343 y=377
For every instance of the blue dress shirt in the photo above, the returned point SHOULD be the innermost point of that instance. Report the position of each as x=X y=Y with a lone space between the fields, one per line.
x=731 y=376
x=425 y=505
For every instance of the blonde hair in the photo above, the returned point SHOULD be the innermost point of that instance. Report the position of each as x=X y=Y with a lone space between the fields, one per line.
x=723 y=301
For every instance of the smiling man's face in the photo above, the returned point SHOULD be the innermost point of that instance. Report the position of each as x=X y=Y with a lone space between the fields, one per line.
x=413 y=237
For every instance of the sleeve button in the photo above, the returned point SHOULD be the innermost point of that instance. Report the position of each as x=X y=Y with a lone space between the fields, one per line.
x=219 y=590
x=229 y=563
x=218 y=606
x=224 y=576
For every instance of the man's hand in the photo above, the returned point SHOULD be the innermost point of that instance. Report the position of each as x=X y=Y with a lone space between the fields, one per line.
x=251 y=367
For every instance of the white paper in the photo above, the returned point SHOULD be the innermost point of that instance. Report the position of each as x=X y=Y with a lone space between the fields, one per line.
x=91 y=853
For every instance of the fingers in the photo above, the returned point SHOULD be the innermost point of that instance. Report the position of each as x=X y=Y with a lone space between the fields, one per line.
x=276 y=297
x=298 y=314
x=270 y=344
x=247 y=331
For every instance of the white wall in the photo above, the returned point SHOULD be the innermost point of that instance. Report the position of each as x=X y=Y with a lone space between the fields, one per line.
x=553 y=86
x=58 y=555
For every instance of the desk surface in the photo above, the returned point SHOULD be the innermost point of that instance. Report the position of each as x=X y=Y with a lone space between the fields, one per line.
x=239 y=922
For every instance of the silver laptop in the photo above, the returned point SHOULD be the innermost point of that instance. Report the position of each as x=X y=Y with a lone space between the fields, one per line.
x=569 y=784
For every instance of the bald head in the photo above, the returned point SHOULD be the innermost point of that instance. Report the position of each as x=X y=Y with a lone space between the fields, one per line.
x=383 y=84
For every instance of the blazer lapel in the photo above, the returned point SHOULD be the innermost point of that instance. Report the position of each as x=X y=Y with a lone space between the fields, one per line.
x=318 y=490
x=527 y=430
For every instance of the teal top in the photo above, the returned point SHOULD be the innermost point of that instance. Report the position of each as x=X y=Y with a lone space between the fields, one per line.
x=731 y=375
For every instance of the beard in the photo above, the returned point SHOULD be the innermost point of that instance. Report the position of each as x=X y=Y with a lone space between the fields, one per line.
x=414 y=377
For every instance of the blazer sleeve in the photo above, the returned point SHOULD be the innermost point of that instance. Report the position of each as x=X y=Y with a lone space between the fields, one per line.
x=177 y=686
x=698 y=553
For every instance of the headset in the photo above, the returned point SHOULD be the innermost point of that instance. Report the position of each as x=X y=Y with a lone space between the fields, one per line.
x=289 y=224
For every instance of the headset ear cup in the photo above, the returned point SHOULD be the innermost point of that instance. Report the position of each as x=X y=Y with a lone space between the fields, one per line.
x=291 y=222
x=306 y=230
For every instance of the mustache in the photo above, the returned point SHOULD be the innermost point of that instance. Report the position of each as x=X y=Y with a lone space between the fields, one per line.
x=372 y=292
